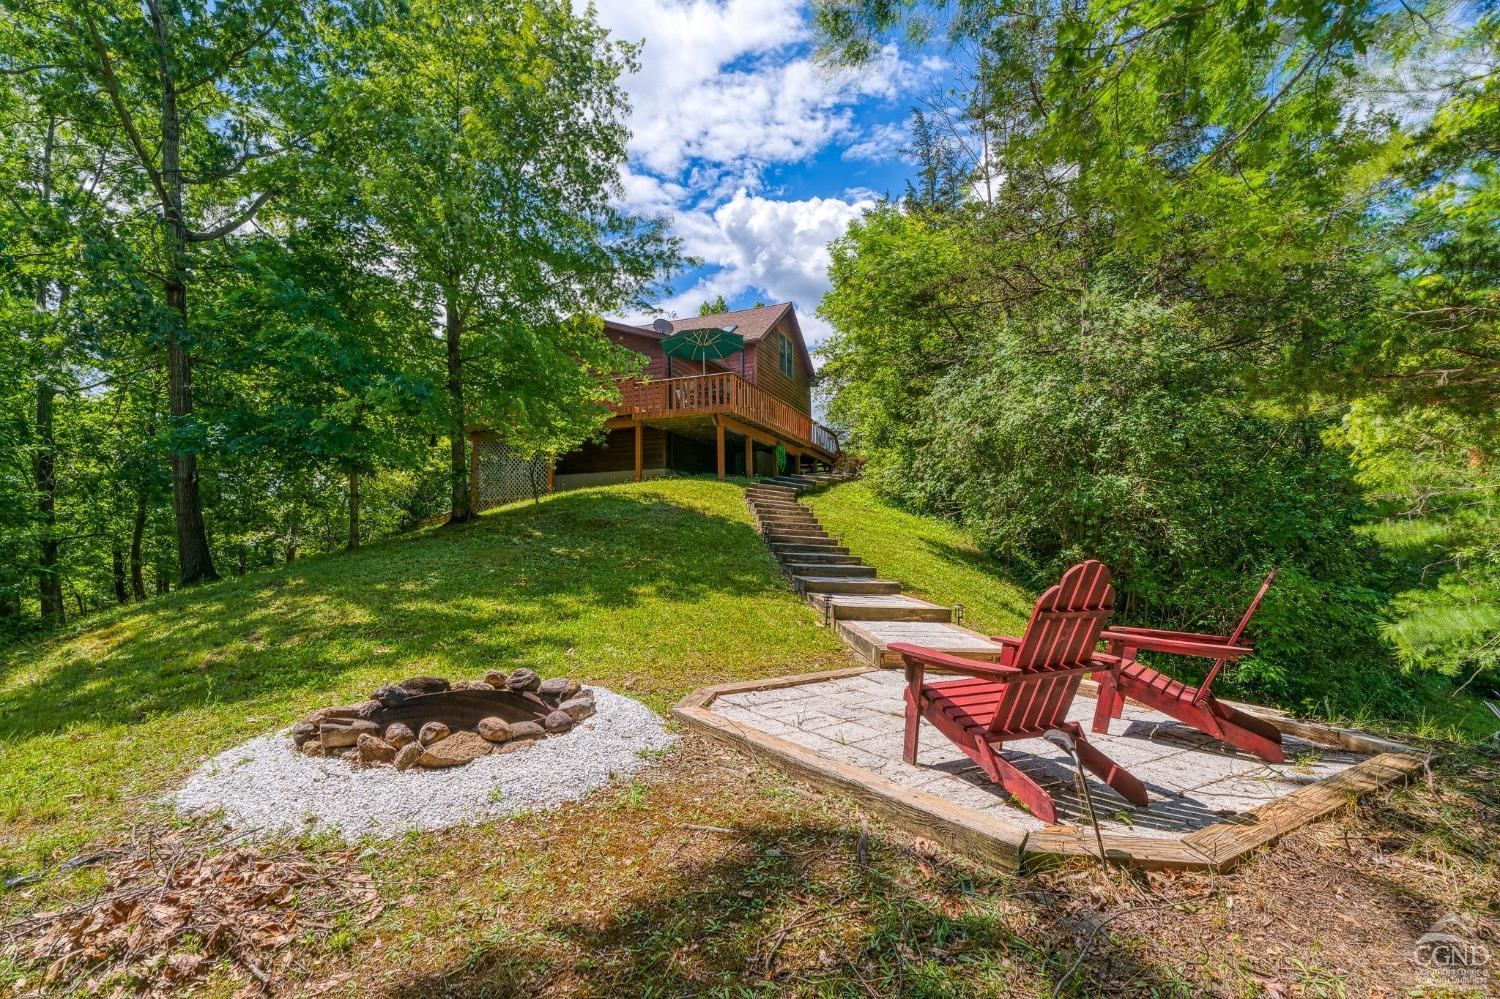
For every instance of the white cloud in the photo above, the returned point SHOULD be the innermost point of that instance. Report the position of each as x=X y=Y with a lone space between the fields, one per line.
x=731 y=82
x=726 y=89
x=782 y=246
x=880 y=144
x=778 y=248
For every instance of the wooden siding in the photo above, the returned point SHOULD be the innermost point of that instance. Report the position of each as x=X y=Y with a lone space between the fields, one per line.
x=761 y=364
x=657 y=361
x=617 y=453
x=763 y=367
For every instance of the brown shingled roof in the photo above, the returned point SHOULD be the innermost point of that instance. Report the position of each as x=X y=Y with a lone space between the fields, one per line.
x=752 y=323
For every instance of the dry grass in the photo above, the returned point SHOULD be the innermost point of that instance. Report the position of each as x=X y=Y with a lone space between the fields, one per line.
x=711 y=873
x=716 y=875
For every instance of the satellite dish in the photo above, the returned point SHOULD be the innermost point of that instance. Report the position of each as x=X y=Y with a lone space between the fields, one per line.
x=663 y=326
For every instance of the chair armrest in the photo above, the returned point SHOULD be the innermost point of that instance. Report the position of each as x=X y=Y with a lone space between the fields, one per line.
x=1008 y=648
x=1140 y=642
x=1186 y=636
x=957 y=664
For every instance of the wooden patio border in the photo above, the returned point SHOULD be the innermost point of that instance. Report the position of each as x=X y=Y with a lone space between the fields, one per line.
x=1010 y=847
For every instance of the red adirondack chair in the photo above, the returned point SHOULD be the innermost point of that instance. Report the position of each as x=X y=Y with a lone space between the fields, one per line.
x=1027 y=693
x=1193 y=706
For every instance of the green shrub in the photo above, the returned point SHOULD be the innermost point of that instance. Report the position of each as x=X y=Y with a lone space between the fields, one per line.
x=1124 y=436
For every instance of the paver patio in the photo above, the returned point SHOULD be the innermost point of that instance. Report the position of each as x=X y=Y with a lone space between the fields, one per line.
x=1193 y=780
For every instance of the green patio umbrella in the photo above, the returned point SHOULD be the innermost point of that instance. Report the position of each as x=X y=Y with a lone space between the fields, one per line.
x=708 y=343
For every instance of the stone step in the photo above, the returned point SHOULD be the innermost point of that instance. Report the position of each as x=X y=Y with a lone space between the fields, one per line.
x=847 y=569
x=795 y=535
x=876 y=607
x=846 y=584
x=818 y=557
x=871 y=640
x=789 y=548
x=802 y=540
x=788 y=521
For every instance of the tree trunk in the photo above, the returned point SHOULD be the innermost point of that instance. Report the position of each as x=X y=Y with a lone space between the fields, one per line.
x=240 y=569
x=462 y=502
x=293 y=535
x=353 y=511
x=44 y=462
x=49 y=580
x=194 y=560
x=117 y=565
x=137 y=533
x=163 y=579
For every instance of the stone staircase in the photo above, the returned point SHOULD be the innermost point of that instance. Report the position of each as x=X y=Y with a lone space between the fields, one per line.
x=869 y=613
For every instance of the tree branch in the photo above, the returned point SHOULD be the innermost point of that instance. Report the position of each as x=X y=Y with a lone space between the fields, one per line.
x=112 y=87
x=229 y=226
x=233 y=58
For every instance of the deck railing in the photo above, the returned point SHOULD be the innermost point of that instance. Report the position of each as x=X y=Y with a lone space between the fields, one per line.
x=723 y=392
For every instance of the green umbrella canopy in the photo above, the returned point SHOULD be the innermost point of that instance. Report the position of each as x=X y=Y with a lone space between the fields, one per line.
x=707 y=344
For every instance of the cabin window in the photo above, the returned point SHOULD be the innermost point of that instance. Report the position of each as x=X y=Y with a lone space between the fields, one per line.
x=786 y=357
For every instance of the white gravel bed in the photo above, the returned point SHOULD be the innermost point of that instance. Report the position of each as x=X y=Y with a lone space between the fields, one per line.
x=266 y=785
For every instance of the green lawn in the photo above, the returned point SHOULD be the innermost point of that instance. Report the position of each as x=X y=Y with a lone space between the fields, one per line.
x=658 y=587
x=710 y=873
x=933 y=559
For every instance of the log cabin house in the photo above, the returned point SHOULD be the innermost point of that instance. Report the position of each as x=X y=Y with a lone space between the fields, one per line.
x=687 y=417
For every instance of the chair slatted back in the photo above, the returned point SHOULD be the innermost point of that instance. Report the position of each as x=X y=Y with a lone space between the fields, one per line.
x=1234 y=639
x=1060 y=637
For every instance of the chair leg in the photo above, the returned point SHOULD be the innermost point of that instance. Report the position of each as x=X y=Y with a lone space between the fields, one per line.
x=1026 y=790
x=1116 y=776
x=1246 y=732
x=913 y=721
x=1104 y=707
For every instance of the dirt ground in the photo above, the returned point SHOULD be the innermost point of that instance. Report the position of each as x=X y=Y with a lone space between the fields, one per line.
x=713 y=874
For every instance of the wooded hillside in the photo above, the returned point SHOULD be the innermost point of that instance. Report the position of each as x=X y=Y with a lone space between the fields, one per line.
x=262 y=263
x=1200 y=291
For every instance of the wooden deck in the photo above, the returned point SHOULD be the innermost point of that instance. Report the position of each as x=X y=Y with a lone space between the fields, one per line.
x=723 y=401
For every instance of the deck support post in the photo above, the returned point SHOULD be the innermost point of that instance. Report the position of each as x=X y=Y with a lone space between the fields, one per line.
x=749 y=457
x=719 y=436
x=552 y=477
x=640 y=450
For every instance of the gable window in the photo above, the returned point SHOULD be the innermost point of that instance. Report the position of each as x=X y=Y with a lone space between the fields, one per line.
x=786 y=357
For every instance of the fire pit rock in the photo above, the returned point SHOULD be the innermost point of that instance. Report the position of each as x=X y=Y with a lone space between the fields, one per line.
x=428 y=721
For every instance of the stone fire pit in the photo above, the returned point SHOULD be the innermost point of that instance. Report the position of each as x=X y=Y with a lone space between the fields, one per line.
x=427 y=721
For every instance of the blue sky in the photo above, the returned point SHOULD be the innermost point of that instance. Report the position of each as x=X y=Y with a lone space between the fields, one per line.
x=759 y=156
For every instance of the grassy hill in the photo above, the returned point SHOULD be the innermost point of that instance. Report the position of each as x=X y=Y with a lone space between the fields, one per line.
x=708 y=874
x=934 y=559
x=657 y=587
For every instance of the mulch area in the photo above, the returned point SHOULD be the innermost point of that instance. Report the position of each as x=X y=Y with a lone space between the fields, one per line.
x=177 y=905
